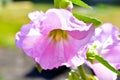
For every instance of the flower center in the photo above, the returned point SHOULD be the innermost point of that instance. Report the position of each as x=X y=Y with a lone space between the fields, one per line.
x=58 y=34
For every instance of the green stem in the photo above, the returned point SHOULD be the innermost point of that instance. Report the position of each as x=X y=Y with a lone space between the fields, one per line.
x=82 y=73
x=106 y=64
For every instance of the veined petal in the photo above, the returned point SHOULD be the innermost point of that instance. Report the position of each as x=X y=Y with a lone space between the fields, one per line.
x=50 y=57
x=53 y=55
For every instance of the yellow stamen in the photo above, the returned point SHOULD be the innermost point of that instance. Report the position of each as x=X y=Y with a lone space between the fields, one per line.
x=58 y=34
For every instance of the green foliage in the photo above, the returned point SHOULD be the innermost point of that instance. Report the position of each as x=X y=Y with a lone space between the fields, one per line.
x=68 y=3
x=87 y=19
x=1 y=77
x=56 y=3
x=13 y=17
x=73 y=75
x=62 y=3
x=80 y=3
x=65 y=4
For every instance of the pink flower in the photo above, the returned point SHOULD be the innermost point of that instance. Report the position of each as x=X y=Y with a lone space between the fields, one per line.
x=54 y=38
x=107 y=43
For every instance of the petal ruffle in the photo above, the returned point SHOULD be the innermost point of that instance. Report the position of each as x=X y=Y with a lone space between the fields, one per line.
x=103 y=32
x=21 y=35
x=27 y=38
x=82 y=33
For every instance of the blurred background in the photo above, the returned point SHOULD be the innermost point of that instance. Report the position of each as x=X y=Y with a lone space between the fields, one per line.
x=14 y=64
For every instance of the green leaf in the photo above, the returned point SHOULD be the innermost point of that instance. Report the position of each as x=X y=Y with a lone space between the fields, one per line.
x=106 y=64
x=82 y=72
x=73 y=75
x=87 y=19
x=38 y=67
x=80 y=3
x=63 y=4
x=91 y=77
x=56 y=3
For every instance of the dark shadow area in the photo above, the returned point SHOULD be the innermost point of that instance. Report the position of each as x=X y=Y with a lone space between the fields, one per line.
x=109 y=2
x=88 y=69
x=47 y=74
x=118 y=76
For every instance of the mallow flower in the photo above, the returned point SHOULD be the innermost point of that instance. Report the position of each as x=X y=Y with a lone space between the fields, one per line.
x=107 y=42
x=55 y=38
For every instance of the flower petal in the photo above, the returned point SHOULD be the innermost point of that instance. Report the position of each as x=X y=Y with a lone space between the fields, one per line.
x=82 y=33
x=21 y=35
x=113 y=55
x=103 y=73
x=53 y=55
x=36 y=15
x=50 y=57
x=51 y=22
x=27 y=38
x=103 y=32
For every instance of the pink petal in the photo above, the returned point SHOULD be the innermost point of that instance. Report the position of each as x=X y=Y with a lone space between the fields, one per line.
x=49 y=57
x=113 y=55
x=82 y=33
x=53 y=55
x=103 y=32
x=51 y=22
x=103 y=73
x=36 y=15
x=21 y=35
x=27 y=38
